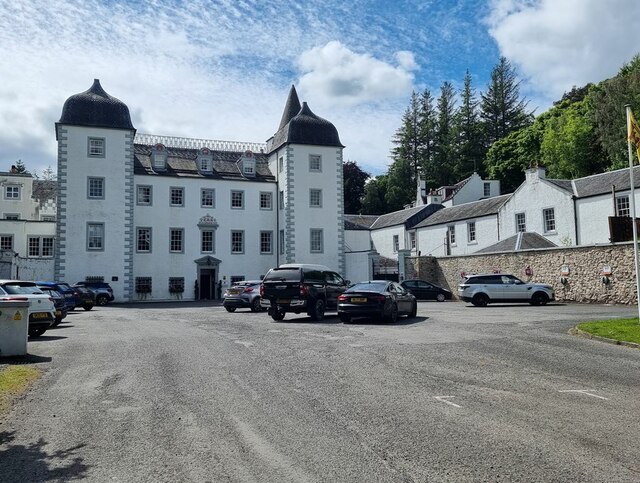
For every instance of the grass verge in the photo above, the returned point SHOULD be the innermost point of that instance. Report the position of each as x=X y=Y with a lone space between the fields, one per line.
x=15 y=380
x=626 y=330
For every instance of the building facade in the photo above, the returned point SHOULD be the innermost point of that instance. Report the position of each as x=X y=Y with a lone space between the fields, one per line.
x=164 y=217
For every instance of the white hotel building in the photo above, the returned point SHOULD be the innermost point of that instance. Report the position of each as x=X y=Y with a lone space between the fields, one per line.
x=162 y=217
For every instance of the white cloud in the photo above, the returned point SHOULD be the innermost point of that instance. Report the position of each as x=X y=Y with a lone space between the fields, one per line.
x=557 y=44
x=335 y=75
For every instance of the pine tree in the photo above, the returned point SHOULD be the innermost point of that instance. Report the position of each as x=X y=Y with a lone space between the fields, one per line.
x=407 y=140
x=469 y=151
x=502 y=110
x=442 y=166
x=427 y=122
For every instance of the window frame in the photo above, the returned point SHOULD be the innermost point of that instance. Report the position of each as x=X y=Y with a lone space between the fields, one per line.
x=281 y=241
x=320 y=233
x=546 y=220
x=172 y=231
x=174 y=190
x=139 y=229
x=312 y=168
x=486 y=189
x=101 y=185
x=524 y=222
x=412 y=240
x=451 y=234
x=315 y=194
x=241 y=199
x=102 y=238
x=471 y=232
x=269 y=249
x=619 y=201
x=40 y=246
x=211 y=191
x=239 y=233
x=97 y=154
x=150 y=193
x=395 y=242
x=212 y=241
x=18 y=191
x=3 y=239
x=266 y=196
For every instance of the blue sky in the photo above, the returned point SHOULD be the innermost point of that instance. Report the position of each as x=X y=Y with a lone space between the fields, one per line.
x=222 y=69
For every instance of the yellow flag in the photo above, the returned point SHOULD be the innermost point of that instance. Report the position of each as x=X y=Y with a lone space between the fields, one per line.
x=634 y=133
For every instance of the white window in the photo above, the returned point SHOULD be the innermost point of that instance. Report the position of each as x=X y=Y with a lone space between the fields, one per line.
x=176 y=284
x=205 y=165
x=315 y=163
x=317 y=240
x=95 y=188
x=471 y=231
x=40 y=246
x=521 y=222
x=144 y=195
x=237 y=200
x=549 y=217
x=143 y=237
x=248 y=168
x=47 y=218
x=176 y=196
x=265 y=200
x=451 y=233
x=487 y=189
x=412 y=240
x=143 y=285
x=207 y=198
x=95 y=148
x=176 y=240
x=282 y=200
x=207 y=241
x=280 y=164
x=95 y=236
x=266 y=242
x=315 y=198
x=11 y=216
x=6 y=242
x=237 y=241
x=396 y=243
x=12 y=192
x=622 y=206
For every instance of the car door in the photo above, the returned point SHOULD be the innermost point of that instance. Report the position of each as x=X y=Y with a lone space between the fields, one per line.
x=335 y=286
x=513 y=289
x=403 y=298
x=426 y=290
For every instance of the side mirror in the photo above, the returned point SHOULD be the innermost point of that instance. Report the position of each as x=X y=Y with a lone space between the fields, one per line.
x=347 y=282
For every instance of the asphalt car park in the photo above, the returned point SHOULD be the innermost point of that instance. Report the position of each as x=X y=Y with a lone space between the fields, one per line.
x=457 y=393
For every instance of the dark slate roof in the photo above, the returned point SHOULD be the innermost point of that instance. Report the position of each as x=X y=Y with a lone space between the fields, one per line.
x=564 y=184
x=457 y=187
x=599 y=184
x=306 y=128
x=291 y=108
x=475 y=209
x=359 y=222
x=520 y=241
x=44 y=190
x=182 y=162
x=409 y=217
x=96 y=108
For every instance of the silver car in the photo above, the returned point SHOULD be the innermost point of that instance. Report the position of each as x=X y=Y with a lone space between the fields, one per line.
x=245 y=294
x=483 y=289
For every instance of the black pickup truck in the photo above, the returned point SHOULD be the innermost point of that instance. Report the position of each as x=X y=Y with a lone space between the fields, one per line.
x=304 y=288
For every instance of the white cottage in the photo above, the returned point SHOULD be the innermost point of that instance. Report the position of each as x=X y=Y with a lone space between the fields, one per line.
x=164 y=217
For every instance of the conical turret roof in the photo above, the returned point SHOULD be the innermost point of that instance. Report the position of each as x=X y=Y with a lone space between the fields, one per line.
x=291 y=108
x=95 y=107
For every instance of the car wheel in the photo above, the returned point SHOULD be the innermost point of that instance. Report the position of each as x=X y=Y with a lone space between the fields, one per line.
x=440 y=297
x=56 y=323
x=230 y=309
x=317 y=311
x=277 y=315
x=344 y=318
x=102 y=299
x=255 y=305
x=480 y=300
x=87 y=306
x=539 y=298
x=392 y=318
x=37 y=332
x=414 y=310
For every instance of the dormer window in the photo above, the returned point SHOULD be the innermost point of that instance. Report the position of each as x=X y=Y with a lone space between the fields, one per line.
x=247 y=164
x=205 y=160
x=159 y=157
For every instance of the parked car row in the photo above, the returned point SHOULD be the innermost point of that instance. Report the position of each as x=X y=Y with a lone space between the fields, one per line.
x=50 y=302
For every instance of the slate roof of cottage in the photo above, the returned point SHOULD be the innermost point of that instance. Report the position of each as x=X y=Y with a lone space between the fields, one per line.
x=520 y=241
x=457 y=187
x=564 y=184
x=94 y=107
x=182 y=162
x=408 y=217
x=599 y=184
x=359 y=222
x=465 y=211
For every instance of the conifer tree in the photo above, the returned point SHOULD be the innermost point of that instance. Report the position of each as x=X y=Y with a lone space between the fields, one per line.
x=469 y=151
x=442 y=166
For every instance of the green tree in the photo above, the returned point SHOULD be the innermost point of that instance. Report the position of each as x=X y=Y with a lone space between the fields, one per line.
x=354 y=182
x=469 y=151
x=427 y=122
x=442 y=166
x=373 y=201
x=20 y=167
x=502 y=110
x=401 y=188
x=407 y=139
x=606 y=103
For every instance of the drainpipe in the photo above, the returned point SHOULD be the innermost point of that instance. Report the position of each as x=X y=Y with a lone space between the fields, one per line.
x=575 y=219
x=278 y=201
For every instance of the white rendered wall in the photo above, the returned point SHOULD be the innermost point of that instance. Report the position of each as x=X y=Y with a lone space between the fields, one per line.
x=359 y=267
x=431 y=239
x=26 y=207
x=473 y=190
x=161 y=264
x=383 y=240
x=531 y=198
x=593 y=216
x=357 y=240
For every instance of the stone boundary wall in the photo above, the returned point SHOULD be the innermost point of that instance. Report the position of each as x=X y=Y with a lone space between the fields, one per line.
x=584 y=282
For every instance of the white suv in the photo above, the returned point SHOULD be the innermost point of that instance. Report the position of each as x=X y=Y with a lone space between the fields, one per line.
x=42 y=312
x=481 y=290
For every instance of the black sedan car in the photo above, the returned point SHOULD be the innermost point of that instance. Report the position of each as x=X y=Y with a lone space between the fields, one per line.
x=424 y=290
x=380 y=299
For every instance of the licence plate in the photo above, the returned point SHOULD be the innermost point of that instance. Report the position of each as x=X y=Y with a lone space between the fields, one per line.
x=234 y=292
x=40 y=315
x=283 y=301
x=358 y=300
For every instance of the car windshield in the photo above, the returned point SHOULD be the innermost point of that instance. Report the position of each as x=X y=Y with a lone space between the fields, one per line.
x=13 y=289
x=368 y=287
x=284 y=275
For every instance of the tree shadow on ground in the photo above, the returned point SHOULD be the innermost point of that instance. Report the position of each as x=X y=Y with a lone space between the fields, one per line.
x=26 y=359
x=32 y=462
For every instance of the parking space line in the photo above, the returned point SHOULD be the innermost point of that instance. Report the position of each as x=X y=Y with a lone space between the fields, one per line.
x=444 y=400
x=586 y=392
